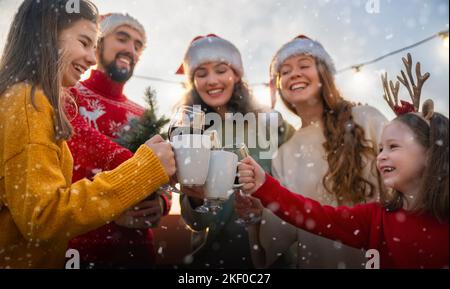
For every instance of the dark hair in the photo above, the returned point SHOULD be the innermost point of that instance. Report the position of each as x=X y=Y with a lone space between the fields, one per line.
x=433 y=195
x=345 y=145
x=31 y=51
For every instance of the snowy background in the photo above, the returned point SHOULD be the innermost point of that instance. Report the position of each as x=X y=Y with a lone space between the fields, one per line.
x=259 y=27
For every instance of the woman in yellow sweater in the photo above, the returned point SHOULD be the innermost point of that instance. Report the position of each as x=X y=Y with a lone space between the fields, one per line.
x=47 y=49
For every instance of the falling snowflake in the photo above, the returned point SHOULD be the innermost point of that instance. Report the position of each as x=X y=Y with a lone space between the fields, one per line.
x=310 y=224
x=273 y=206
x=96 y=171
x=400 y=217
x=337 y=244
x=188 y=259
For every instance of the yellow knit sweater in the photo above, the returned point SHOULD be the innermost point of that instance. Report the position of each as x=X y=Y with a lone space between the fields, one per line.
x=40 y=209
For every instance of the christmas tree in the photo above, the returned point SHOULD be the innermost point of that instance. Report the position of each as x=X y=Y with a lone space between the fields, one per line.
x=139 y=130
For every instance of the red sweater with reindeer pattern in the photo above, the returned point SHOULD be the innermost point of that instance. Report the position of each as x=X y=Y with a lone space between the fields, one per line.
x=103 y=105
x=103 y=110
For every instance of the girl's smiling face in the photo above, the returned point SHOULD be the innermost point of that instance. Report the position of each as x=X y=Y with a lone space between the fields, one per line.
x=402 y=159
x=78 y=44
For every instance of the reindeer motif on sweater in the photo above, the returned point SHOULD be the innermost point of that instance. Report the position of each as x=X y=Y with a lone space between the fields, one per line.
x=93 y=111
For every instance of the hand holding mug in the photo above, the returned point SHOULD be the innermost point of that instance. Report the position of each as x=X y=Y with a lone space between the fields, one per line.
x=164 y=153
x=251 y=175
x=248 y=208
x=196 y=195
x=194 y=192
x=146 y=214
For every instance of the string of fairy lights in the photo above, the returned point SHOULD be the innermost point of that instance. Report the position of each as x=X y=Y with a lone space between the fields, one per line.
x=443 y=35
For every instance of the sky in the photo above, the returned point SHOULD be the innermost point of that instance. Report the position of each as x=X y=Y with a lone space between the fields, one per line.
x=348 y=30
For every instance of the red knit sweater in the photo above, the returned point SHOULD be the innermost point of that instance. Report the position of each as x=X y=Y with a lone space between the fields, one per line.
x=403 y=240
x=103 y=105
x=103 y=111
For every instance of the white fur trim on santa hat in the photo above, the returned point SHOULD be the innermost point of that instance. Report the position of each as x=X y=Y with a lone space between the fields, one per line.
x=297 y=46
x=210 y=49
x=111 y=21
x=301 y=46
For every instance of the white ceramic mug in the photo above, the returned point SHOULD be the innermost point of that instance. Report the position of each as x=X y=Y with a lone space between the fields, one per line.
x=221 y=174
x=192 y=155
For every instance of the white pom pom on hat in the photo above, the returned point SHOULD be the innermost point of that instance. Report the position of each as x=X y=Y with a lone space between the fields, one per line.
x=109 y=22
x=297 y=46
x=210 y=48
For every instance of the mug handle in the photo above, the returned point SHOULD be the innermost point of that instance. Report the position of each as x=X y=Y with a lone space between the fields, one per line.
x=236 y=186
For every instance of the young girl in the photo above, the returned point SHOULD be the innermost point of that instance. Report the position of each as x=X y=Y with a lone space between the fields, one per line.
x=409 y=228
x=330 y=159
x=40 y=210
x=214 y=71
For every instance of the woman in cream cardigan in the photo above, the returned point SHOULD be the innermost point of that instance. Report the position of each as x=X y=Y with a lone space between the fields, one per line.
x=333 y=151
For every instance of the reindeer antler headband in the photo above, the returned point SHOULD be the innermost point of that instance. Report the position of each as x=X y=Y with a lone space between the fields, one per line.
x=391 y=91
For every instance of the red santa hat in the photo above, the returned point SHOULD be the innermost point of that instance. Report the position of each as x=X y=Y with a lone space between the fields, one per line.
x=299 y=45
x=209 y=48
x=109 y=22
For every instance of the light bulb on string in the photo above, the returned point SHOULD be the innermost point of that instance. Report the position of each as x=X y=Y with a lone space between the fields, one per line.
x=446 y=42
x=444 y=36
x=357 y=68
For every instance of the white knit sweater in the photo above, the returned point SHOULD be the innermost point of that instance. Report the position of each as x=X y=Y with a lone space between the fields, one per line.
x=300 y=166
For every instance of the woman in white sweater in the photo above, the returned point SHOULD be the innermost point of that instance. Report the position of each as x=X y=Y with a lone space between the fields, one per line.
x=331 y=159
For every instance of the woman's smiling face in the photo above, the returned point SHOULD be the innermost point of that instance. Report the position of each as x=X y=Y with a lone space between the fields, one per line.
x=78 y=45
x=214 y=82
x=299 y=80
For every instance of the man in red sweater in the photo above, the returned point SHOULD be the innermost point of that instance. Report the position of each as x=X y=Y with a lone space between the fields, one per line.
x=103 y=110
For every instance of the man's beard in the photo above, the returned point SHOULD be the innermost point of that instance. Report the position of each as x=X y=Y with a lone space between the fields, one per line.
x=117 y=74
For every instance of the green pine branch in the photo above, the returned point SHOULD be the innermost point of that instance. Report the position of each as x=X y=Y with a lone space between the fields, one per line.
x=141 y=129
